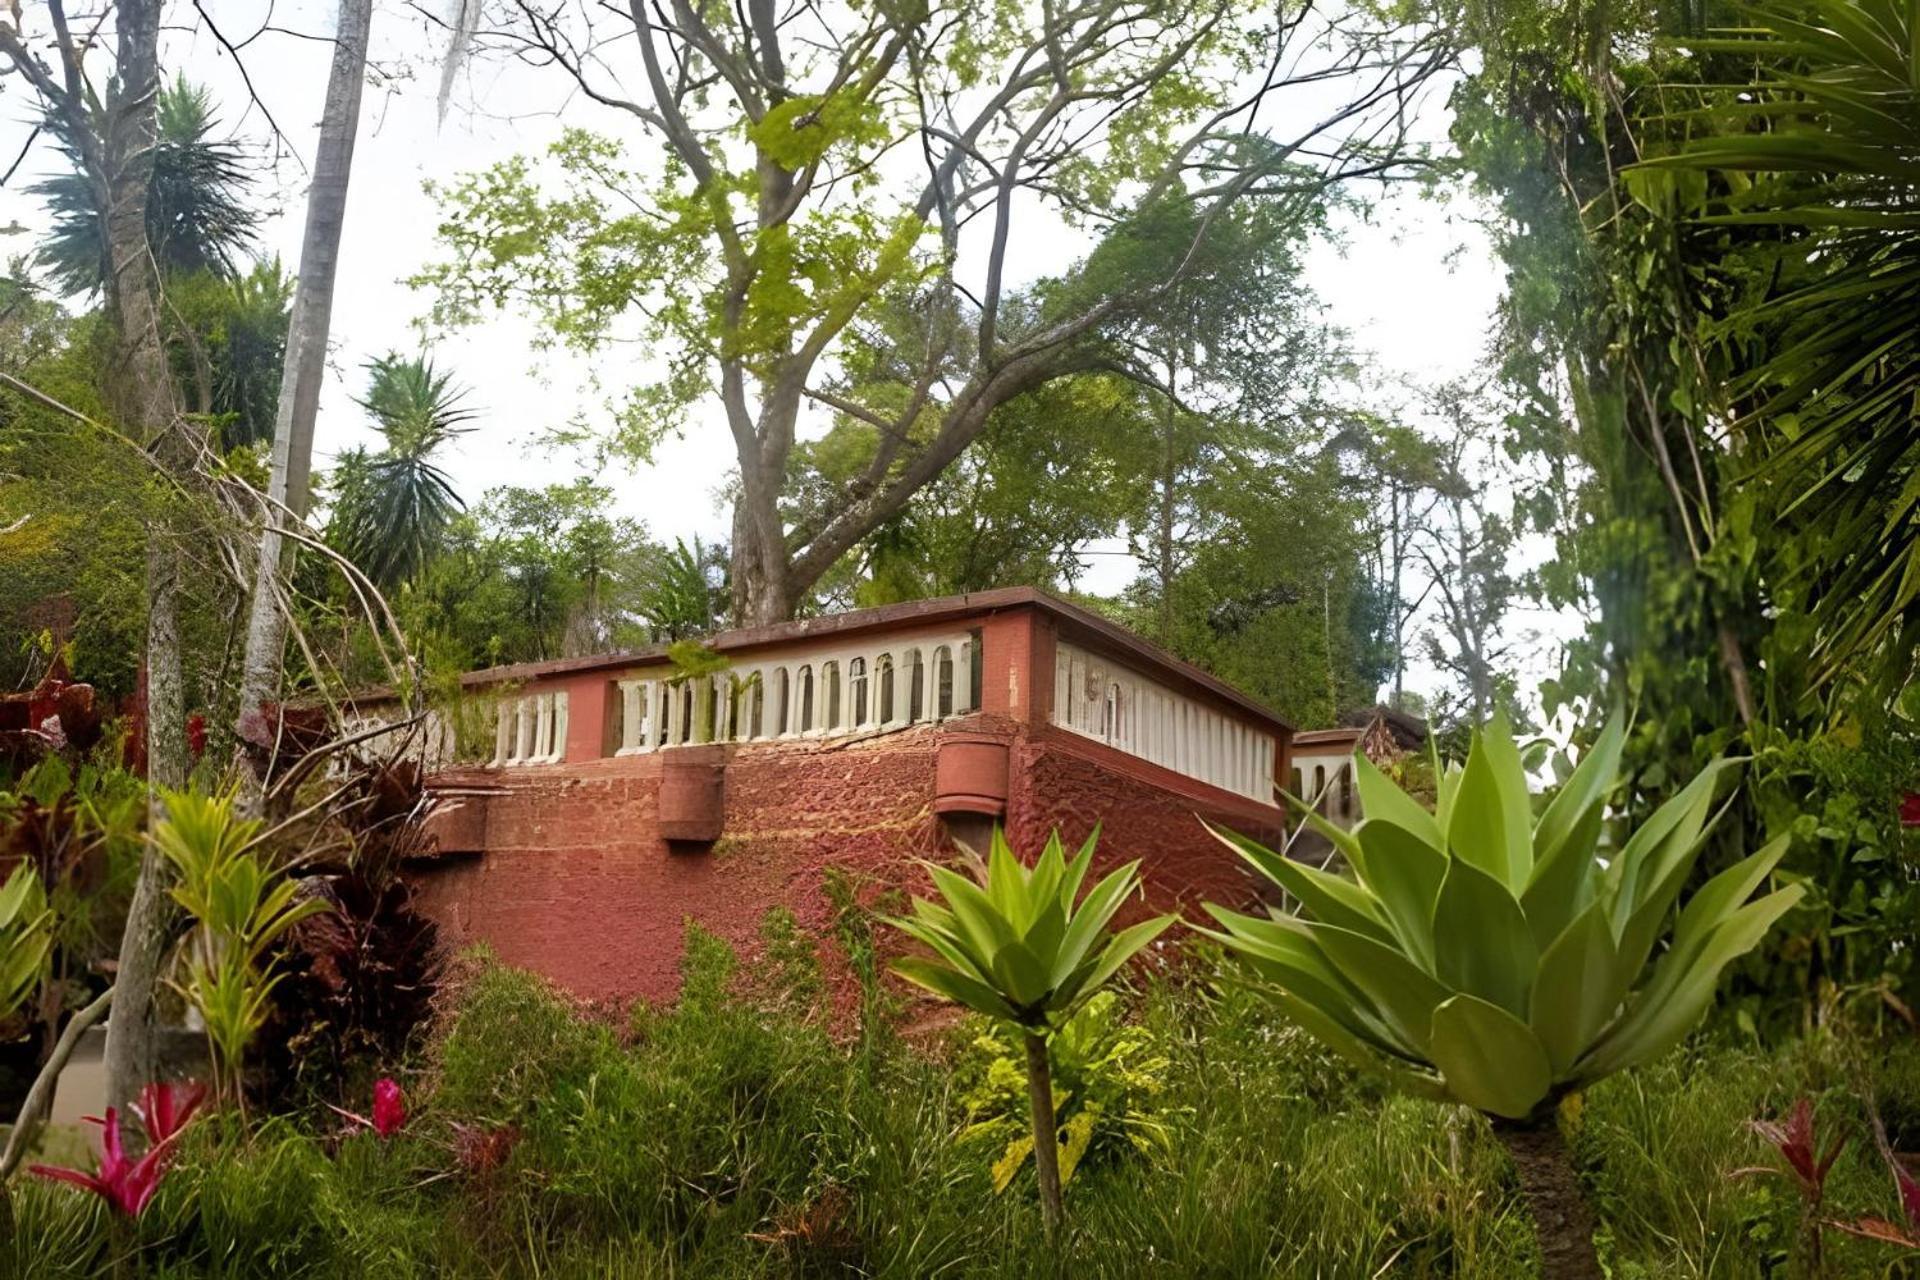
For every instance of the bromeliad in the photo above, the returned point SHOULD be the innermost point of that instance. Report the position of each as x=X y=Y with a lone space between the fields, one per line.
x=126 y=1184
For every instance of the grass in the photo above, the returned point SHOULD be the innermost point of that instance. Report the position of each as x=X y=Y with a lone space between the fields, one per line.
x=731 y=1136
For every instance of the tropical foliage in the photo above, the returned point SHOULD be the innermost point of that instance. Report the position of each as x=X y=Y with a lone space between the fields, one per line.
x=393 y=506
x=1022 y=946
x=240 y=906
x=1495 y=958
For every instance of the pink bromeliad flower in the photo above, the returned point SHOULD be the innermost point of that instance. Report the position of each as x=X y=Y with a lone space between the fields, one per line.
x=389 y=1109
x=125 y=1184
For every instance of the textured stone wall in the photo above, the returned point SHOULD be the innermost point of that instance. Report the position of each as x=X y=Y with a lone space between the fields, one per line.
x=574 y=881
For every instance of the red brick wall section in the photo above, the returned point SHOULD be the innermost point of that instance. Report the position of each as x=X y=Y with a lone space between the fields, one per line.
x=576 y=883
x=1061 y=784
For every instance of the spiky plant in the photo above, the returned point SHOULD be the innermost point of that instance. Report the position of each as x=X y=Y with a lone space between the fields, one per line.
x=394 y=505
x=1016 y=947
x=198 y=214
x=1485 y=955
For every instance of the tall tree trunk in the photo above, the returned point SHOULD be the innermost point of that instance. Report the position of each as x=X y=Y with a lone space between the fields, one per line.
x=1046 y=1150
x=762 y=579
x=1561 y=1218
x=304 y=368
x=141 y=389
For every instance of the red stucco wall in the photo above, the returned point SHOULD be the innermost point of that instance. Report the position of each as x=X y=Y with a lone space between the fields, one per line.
x=574 y=881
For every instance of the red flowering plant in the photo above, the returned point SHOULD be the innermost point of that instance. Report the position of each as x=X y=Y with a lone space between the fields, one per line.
x=126 y=1184
x=389 y=1109
x=1905 y=1234
x=1807 y=1164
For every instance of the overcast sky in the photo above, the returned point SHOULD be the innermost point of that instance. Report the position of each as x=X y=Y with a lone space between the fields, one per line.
x=1414 y=283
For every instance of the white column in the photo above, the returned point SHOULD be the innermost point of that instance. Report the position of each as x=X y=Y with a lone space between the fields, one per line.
x=522 y=727
x=502 y=730
x=962 y=676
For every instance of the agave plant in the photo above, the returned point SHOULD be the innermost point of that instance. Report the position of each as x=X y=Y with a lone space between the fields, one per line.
x=1485 y=955
x=1016 y=947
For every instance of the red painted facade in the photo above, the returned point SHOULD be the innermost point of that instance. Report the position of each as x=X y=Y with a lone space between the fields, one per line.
x=567 y=868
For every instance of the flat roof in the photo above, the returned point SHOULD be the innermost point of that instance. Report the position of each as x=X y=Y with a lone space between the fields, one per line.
x=1075 y=620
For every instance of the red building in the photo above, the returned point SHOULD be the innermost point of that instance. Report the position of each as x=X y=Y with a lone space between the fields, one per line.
x=625 y=799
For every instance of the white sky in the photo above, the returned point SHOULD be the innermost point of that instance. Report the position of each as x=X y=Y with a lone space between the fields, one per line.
x=1415 y=283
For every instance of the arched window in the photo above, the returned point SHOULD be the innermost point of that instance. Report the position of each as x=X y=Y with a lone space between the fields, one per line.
x=883 y=677
x=1299 y=780
x=943 y=682
x=777 y=695
x=914 y=672
x=804 y=695
x=857 y=690
x=830 y=694
x=1346 y=791
x=689 y=709
x=1319 y=783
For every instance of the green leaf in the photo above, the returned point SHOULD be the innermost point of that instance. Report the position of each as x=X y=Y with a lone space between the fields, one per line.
x=1574 y=992
x=1477 y=826
x=1381 y=799
x=1584 y=791
x=1481 y=941
x=1403 y=994
x=1405 y=873
x=1563 y=883
x=1489 y=1059
x=957 y=987
x=1672 y=1004
x=1327 y=897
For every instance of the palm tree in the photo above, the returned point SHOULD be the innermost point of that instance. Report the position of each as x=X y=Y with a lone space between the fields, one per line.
x=1816 y=151
x=198 y=218
x=393 y=506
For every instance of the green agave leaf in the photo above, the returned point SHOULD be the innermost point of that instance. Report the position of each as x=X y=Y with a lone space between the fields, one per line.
x=986 y=929
x=1102 y=903
x=1721 y=895
x=1381 y=799
x=1584 y=792
x=946 y=943
x=1329 y=1032
x=1049 y=930
x=1673 y=826
x=957 y=987
x=1509 y=775
x=1122 y=947
x=1076 y=872
x=1403 y=994
x=1564 y=882
x=1673 y=1003
x=1326 y=896
x=1405 y=873
x=1489 y=1059
x=1020 y=976
x=1006 y=883
x=1285 y=953
x=1645 y=926
x=1477 y=826
x=1337 y=836
x=1574 y=992
x=1482 y=944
